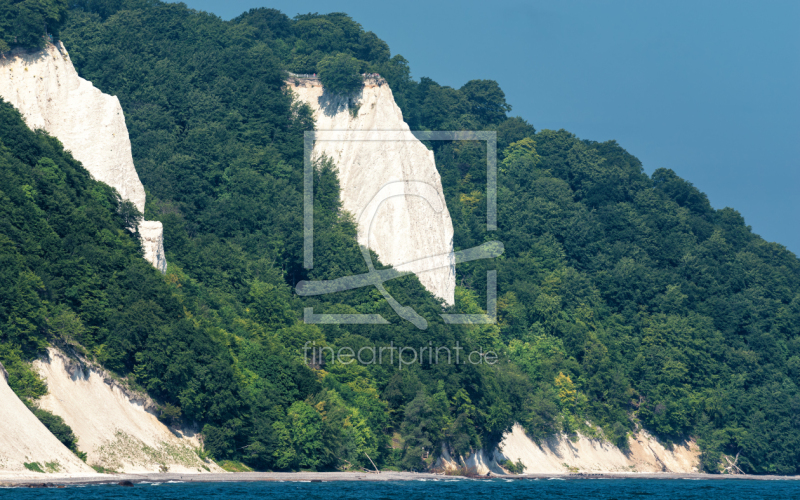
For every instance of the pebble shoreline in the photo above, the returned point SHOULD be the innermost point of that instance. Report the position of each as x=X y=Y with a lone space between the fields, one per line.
x=55 y=482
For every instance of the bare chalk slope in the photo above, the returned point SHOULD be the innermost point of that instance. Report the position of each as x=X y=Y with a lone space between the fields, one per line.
x=377 y=156
x=24 y=439
x=113 y=425
x=47 y=90
x=558 y=454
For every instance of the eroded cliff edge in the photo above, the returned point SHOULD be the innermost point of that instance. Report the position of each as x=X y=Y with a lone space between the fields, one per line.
x=116 y=427
x=377 y=156
x=50 y=95
x=558 y=454
x=25 y=440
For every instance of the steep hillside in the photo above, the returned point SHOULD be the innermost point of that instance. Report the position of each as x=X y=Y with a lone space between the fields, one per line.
x=373 y=150
x=73 y=274
x=626 y=295
x=224 y=172
x=116 y=428
x=45 y=88
x=625 y=300
x=559 y=453
x=26 y=444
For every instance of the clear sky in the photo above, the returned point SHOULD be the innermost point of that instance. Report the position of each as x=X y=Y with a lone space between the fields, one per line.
x=710 y=89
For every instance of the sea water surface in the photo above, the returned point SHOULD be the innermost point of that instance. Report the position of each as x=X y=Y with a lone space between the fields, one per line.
x=539 y=489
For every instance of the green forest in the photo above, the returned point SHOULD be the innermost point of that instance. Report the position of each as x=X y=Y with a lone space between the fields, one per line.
x=30 y=24
x=625 y=301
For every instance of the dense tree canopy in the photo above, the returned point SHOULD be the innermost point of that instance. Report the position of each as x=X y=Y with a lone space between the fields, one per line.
x=625 y=300
x=26 y=23
x=659 y=310
x=340 y=74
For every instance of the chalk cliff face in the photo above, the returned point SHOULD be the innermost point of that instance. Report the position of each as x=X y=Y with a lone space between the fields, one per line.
x=152 y=234
x=24 y=439
x=115 y=427
x=47 y=90
x=559 y=454
x=388 y=180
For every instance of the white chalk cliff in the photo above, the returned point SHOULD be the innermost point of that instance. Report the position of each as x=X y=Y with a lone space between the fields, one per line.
x=152 y=234
x=47 y=90
x=114 y=426
x=25 y=440
x=558 y=454
x=388 y=180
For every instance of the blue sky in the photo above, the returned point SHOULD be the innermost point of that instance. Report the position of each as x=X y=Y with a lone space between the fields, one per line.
x=710 y=89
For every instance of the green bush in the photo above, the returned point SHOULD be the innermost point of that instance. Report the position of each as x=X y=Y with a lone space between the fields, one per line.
x=103 y=470
x=25 y=382
x=59 y=429
x=234 y=466
x=514 y=468
x=25 y=22
x=33 y=467
x=340 y=74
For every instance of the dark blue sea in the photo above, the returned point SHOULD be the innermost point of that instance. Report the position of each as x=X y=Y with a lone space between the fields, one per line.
x=540 y=489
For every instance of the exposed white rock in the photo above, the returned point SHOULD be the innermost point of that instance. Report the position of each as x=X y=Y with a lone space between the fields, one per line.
x=558 y=454
x=152 y=234
x=647 y=454
x=475 y=463
x=116 y=428
x=24 y=439
x=374 y=151
x=47 y=90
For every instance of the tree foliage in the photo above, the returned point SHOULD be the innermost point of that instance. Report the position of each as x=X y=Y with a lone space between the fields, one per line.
x=624 y=299
x=340 y=74
x=26 y=23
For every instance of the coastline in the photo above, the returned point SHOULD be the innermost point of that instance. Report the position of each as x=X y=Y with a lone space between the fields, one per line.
x=15 y=480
